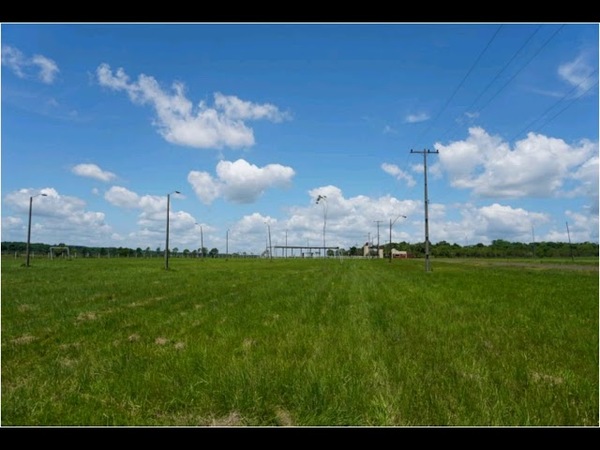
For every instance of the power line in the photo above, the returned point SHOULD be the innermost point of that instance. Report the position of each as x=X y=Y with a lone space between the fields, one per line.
x=572 y=101
x=495 y=77
x=461 y=83
x=558 y=102
x=404 y=167
x=505 y=66
x=522 y=68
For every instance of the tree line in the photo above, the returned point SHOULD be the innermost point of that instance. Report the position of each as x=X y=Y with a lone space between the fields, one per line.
x=121 y=252
x=498 y=248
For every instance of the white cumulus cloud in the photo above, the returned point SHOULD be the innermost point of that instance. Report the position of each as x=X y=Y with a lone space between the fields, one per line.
x=206 y=188
x=92 y=171
x=537 y=166
x=222 y=125
x=239 y=181
x=56 y=217
x=122 y=197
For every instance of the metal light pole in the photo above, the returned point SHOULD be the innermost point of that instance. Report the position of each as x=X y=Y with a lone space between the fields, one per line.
x=201 y=240
x=167 y=243
x=29 y=226
x=570 y=246
x=227 y=243
x=324 y=198
x=270 y=247
x=392 y=223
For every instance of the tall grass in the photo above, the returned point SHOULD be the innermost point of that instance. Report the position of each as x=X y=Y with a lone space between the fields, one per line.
x=294 y=342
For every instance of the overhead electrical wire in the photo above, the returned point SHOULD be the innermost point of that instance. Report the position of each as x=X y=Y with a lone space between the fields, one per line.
x=572 y=101
x=404 y=168
x=546 y=42
x=568 y=94
x=522 y=68
x=461 y=83
x=495 y=78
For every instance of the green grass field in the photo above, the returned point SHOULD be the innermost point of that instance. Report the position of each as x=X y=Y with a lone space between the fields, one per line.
x=299 y=342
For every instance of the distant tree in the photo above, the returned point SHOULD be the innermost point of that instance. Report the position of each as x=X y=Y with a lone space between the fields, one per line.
x=213 y=252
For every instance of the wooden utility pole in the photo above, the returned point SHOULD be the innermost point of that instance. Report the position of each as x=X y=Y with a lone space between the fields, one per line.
x=426 y=201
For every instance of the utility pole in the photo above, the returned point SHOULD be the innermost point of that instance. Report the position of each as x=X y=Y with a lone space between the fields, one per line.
x=425 y=153
x=378 y=222
x=201 y=242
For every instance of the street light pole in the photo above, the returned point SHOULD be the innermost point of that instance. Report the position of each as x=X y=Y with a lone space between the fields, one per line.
x=270 y=247
x=392 y=223
x=324 y=198
x=29 y=226
x=227 y=244
x=167 y=242
x=201 y=240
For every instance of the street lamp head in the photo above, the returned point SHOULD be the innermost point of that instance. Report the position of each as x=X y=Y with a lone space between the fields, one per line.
x=177 y=192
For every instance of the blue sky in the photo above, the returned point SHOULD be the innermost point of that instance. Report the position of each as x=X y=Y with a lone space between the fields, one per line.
x=253 y=122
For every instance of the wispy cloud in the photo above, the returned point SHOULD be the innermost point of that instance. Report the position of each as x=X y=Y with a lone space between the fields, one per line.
x=579 y=73
x=21 y=65
x=222 y=125
x=398 y=173
x=415 y=118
